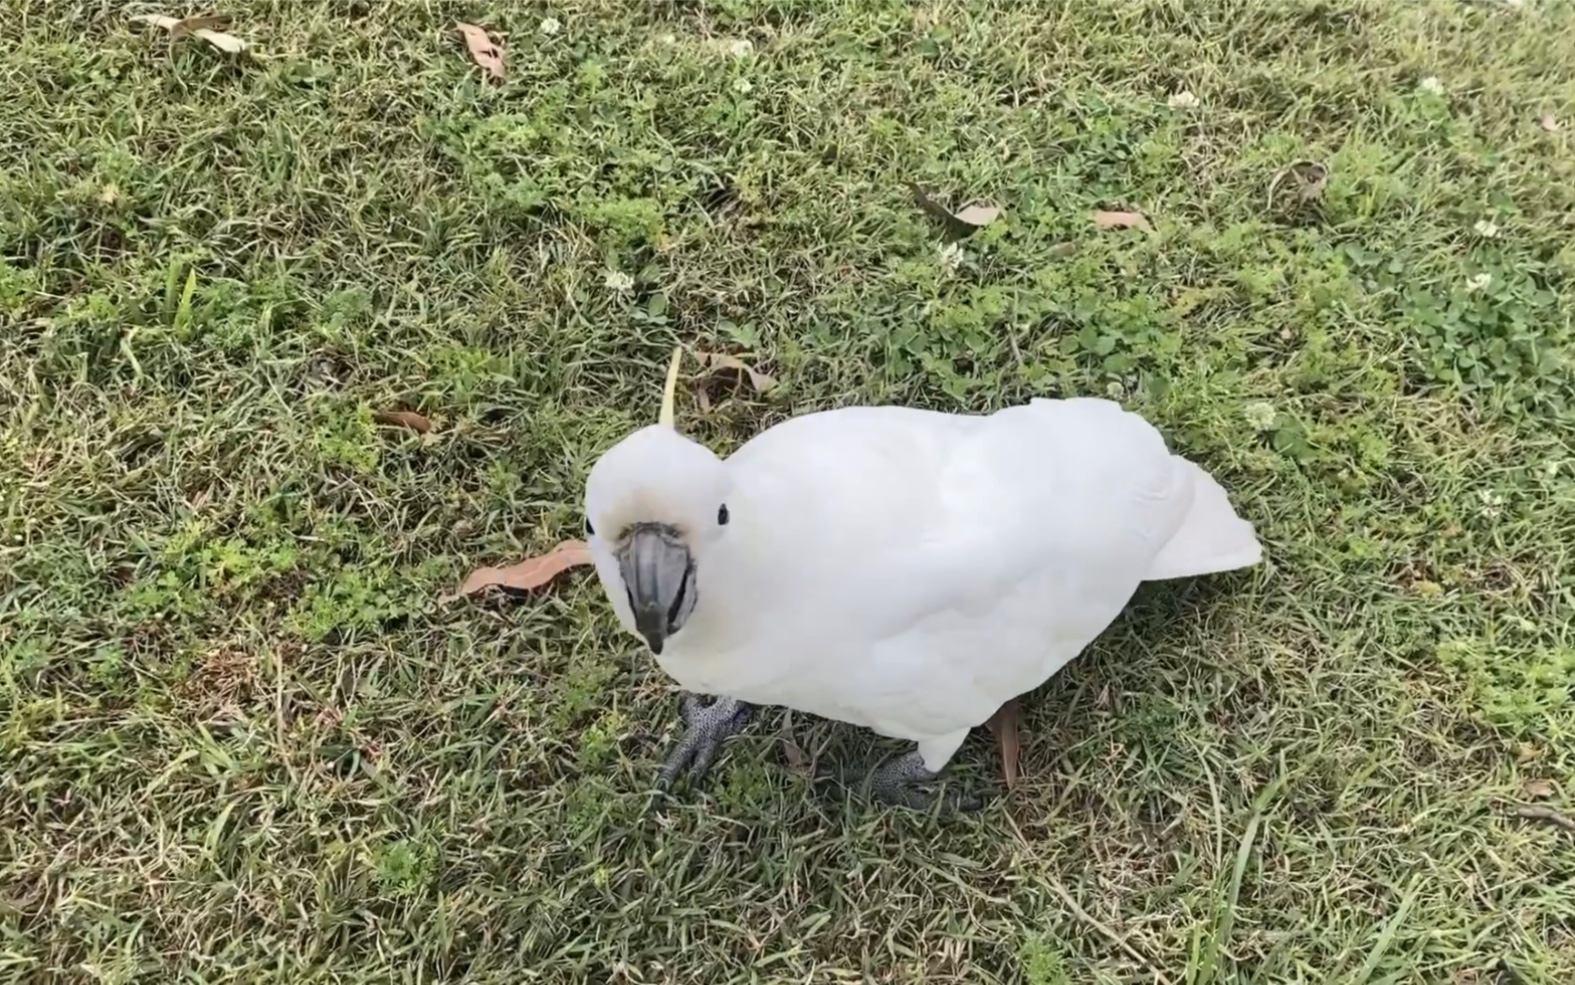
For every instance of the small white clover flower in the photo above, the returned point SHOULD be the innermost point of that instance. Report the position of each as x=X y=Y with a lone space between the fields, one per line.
x=1261 y=415
x=1432 y=85
x=951 y=255
x=743 y=86
x=741 y=48
x=1486 y=228
x=619 y=281
x=1479 y=282
x=1183 y=100
x=1492 y=502
x=1114 y=390
x=551 y=25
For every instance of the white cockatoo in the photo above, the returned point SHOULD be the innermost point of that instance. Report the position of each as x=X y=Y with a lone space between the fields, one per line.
x=903 y=570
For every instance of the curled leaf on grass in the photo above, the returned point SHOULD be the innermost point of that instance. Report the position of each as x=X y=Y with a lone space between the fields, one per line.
x=714 y=362
x=1548 y=122
x=1121 y=220
x=208 y=27
x=1306 y=179
x=978 y=215
x=1005 y=724
x=531 y=573
x=484 y=50
x=1538 y=789
x=960 y=223
x=403 y=419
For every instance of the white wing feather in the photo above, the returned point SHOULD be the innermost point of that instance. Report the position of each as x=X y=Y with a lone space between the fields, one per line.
x=911 y=571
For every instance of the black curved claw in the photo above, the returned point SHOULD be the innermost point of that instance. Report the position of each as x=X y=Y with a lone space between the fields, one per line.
x=709 y=726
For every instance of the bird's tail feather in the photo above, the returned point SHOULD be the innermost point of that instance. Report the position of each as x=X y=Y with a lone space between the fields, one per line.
x=1212 y=538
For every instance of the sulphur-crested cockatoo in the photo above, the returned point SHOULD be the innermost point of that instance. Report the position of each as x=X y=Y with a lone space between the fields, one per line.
x=903 y=570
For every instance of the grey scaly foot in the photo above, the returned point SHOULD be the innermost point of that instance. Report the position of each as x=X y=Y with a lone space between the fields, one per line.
x=896 y=781
x=709 y=726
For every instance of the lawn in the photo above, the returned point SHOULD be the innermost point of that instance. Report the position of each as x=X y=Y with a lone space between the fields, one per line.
x=248 y=737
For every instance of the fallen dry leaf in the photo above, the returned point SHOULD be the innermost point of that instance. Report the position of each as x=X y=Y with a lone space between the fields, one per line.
x=224 y=42
x=978 y=215
x=714 y=361
x=1538 y=789
x=1310 y=178
x=1549 y=122
x=404 y=419
x=1121 y=220
x=484 y=51
x=797 y=760
x=1004 y=724
x=960 y=223
x=1314 y=179
x=191 y=25
x=198 y=27
x=1526 y=752
x=532 y=572
x=1542 y=812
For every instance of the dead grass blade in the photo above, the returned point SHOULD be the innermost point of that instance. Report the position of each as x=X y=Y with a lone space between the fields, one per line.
x=1542 y=812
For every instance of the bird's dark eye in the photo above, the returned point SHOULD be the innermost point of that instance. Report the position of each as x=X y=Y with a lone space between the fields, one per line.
x=721 y=515
x=589 y=530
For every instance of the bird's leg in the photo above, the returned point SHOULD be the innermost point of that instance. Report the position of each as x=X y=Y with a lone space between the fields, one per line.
x=709 y=725
x=896 y=781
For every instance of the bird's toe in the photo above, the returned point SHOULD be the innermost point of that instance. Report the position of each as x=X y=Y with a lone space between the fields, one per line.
x=905 y=782
x=709 y=726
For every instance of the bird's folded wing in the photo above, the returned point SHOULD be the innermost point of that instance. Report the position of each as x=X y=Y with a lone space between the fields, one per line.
x=1080 y=490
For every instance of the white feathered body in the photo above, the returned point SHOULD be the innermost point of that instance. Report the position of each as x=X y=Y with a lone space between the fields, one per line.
x=911 y=571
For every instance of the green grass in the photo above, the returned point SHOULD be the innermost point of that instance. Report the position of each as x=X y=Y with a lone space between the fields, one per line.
x=244 y=740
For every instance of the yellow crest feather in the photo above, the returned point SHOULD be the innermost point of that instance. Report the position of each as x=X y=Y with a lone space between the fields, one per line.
x=669 y=388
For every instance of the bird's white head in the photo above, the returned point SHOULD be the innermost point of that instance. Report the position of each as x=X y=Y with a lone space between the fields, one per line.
x=655 y=504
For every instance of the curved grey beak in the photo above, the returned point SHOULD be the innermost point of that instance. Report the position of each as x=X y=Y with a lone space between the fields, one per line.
x=657 y=571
